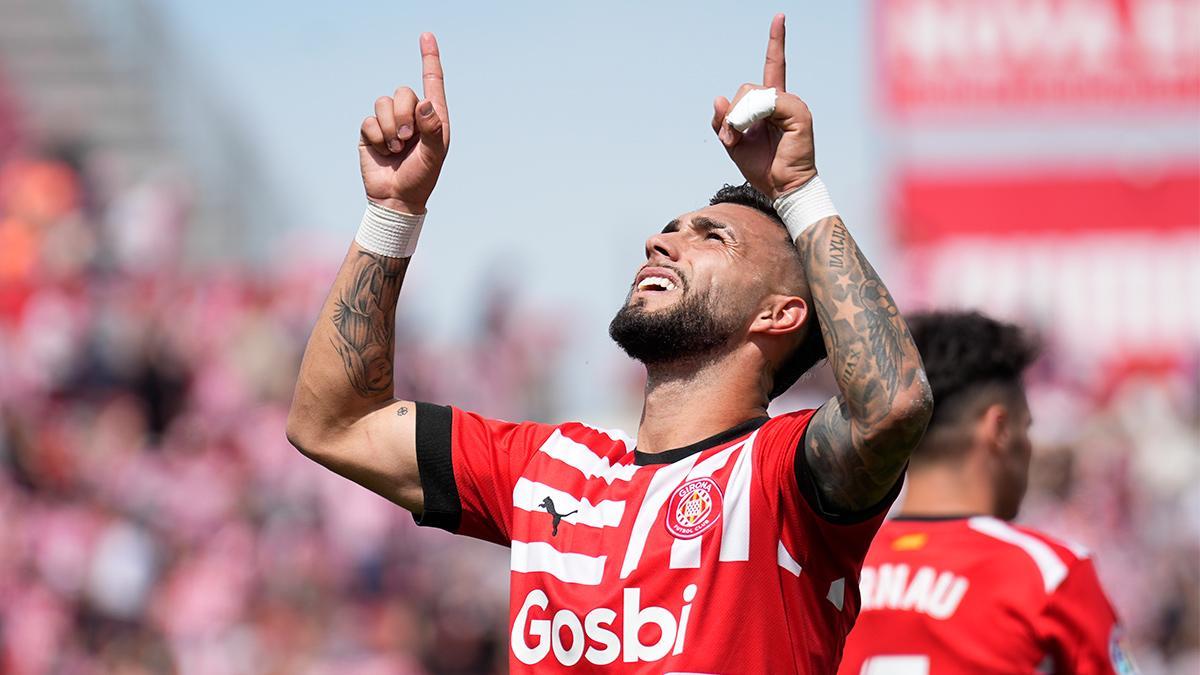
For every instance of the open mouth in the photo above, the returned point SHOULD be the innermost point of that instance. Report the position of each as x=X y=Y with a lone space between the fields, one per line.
x=653 y=283
x=656 y=279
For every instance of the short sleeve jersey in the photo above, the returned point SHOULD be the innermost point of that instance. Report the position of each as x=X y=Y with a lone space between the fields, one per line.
x=711 y=558
x=946 y=596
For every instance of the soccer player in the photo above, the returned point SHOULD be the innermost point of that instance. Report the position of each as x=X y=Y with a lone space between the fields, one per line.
x=717 y=540
x=950 y=586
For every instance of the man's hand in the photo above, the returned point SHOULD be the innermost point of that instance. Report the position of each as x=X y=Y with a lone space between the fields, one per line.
x=402 y=146
x=776 y=155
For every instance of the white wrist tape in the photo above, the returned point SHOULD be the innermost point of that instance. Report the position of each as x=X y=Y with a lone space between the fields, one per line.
x=804 y=206
x=389 y=232
x=757 y=104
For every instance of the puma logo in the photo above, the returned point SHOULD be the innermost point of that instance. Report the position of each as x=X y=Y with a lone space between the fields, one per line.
x=548 y=504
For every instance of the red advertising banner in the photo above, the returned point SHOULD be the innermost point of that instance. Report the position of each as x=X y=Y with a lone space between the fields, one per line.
x=976 y=55
x=936 y=205
x=1108 y=263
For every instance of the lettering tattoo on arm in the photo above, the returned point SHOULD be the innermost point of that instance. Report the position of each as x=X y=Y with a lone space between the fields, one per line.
x=857 y=444
x=364 y=319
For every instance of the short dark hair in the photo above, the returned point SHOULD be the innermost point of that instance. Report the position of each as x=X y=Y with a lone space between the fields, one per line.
x=811 y=351
x=746 y=195
x=966 y=352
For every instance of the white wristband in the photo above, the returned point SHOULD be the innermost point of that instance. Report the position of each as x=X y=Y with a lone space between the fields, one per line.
x=804 y=206
x=389 y=232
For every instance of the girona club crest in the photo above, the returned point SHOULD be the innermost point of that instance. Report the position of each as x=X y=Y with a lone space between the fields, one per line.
x=695 y=506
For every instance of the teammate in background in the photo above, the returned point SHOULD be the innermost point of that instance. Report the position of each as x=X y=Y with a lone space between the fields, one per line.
x=719 y=540
x=949 y=586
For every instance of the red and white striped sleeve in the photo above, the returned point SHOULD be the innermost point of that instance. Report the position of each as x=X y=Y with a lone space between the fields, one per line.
x=469 y=465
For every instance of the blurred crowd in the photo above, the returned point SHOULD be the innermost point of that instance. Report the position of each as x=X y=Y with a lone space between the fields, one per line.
x=155 y=520
x=1116 y=470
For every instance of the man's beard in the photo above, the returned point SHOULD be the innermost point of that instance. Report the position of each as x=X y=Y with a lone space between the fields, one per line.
x=690 y=329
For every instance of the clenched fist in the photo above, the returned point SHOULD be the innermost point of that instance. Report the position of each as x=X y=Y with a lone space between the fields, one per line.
x=776 y=155
x=402 y=146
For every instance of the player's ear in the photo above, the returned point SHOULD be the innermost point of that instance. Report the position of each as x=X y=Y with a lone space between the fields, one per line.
x=779 y=315
x=993 y=429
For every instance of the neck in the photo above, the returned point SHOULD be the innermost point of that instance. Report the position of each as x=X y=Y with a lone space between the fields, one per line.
x=686 y=403
x=947 y=489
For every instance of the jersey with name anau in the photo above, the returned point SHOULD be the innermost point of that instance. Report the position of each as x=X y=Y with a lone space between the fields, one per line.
x=712 y=558
x=965 y=595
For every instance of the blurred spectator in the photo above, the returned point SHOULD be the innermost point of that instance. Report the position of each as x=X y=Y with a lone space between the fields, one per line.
x=155 y=518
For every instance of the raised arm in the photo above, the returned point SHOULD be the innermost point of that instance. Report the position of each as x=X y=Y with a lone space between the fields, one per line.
x=857 y=444
x=344 y=414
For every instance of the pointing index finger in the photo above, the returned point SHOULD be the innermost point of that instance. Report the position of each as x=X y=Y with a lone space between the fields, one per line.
x=431 y=70
x=775 y=68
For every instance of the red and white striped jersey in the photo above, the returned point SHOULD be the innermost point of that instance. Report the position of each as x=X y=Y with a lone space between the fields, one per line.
x=943 y=596
x=711 y=558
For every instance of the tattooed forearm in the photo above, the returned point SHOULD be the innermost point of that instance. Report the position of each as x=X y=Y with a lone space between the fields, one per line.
x=863 y=330
x=858 y=444
x=364 y=318
x=837 y=248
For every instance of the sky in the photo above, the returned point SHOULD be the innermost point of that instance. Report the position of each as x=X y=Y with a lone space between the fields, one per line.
x=579 y=129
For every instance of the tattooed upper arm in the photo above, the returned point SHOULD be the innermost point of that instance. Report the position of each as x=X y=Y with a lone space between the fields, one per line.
x=849 y=478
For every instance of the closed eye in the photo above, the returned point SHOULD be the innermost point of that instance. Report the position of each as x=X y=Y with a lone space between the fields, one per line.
x=714 y=229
